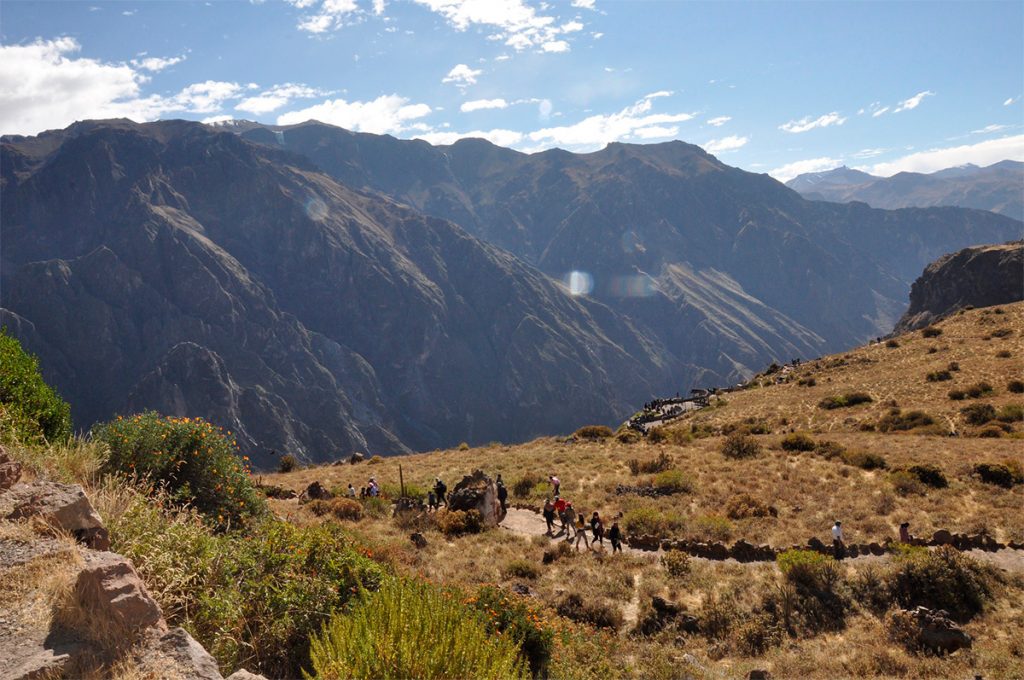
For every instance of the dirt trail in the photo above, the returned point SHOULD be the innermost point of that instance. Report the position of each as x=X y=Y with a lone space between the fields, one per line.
x=631 y=611
x=529 y=523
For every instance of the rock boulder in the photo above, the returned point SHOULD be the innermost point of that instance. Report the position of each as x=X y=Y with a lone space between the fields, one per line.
x=10 y=471
x=63 y=506
x=109 y=586
x=478 y=492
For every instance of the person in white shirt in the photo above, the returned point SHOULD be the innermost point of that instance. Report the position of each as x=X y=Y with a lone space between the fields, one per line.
x=838 y=549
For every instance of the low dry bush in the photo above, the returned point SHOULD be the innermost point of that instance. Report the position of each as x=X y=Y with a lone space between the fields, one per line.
x=648 y=520
x=628 y=435
x=413 y=629
x=339 y=508
x=520 y=569
x=740 y=446
x=660 y=464
x=524 y=486
x=458 y=522
x=865 y=460
x=906 y=484
x=591 y=612
x=930 y=475
x=892 y=344
x=376 y=507
x=809 y=569
x=288 y=463
x=676 y=563
x=798 y=441
x=664 y=435
x=712 y=528
x=931 y=332
x=898 y=421
x=845 y=400
x=939 y=376
x=998 y=474
x=756 y=634
x=744 y=505
x=957 y=395
x=1015 y=386
x=943 y=578
x=978 y=390
x=672 y=481
x=1011 y=413
x=978 y=414
x=593 y=432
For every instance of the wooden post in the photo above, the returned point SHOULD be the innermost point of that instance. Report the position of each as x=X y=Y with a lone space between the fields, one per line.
x=401 y=481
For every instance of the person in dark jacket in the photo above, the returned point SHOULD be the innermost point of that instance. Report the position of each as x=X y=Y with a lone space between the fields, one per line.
x=502 y=492
x=440 y=489
x=615 y=536
x=597 y=528
x=549 y=515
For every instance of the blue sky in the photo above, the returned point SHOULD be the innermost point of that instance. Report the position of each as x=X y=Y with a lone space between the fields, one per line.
x=769 y=87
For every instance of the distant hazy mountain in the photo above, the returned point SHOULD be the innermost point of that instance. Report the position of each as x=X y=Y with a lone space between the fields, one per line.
x=998 y=187
x=172 y=267
x=982 y=276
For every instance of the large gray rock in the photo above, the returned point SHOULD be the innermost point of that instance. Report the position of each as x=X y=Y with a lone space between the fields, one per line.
x=177 y=654
x=110 y=587
x=10 y=471
x=245 y=675
x=936 y=631
x=478 y=492
x=64 y=506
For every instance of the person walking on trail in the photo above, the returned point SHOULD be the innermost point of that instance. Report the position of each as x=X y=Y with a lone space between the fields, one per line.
x=549 y=515
x=570 y=520
x=838 y=549
x=560 y=506
x=597 y=528
x=555 y=483
x=581 y=532
x=905 y=536
x=431 y=500
x=615 y=536
x=502 y=493
x=440 y=489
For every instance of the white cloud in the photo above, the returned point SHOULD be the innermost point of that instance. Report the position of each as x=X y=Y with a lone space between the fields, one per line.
x=791 y=170
x=659 y=93
x=502 y=57
x=497 y=136
x=155 y=64
x=656 y=132
x=43 y=85
x=595 y=132
x=983 y=153
x=597 y=35
x=387 y=114
x=555 y=46
x=584 y=4
x=1010 y=101
x=807 y=123
x=462 y=75
x=520 y=24
x=276 y=97
x=989 y=128
x=378 y=7
x=730 y=143
x=329 y=15
x=720 y=121
x=480 y=104
x=878 y=112
x=913 y=102
x=213 y=120
x=869 y=153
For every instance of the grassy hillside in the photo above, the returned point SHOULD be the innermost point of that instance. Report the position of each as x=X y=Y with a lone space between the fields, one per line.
x=859 y=467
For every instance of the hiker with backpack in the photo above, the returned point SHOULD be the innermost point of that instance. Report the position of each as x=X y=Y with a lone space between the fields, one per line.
x=549 y=515
x=570 y=520
x=440 y=489
x=597 y=528
x=502 y=493
x=615 y=536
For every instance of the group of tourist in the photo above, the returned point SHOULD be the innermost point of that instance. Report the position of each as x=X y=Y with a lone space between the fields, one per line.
x=839 y=548
x=371 y=490
x=574 y=525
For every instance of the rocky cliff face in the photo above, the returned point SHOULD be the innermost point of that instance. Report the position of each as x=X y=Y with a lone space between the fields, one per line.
x=728 y=269
x=172 y=267
x=982 y=276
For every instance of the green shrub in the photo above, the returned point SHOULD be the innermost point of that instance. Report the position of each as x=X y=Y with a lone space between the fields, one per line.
x=892 y=343
x=931 y=332
x=660 y=464
x=957 y=395
x=939 y=376
x=978 y=414
x=648 y=520
x=520 y=569
x=898 y=421
x=978 y=390
x=458 y=522
x=1011 y=413
x=195 y=461
x=628 y=435
x=845 y=400
x=412 y=629
x=756 y=634
x=665 y=435
x=524 y=486
x=712 y=527
x=929 y=475
x=865 y=460
x=942 y=578
x=340 y=508
x=676 y=563
x=829 y=449
x=809 y=569
x=31 y=412
x=590 y=611
x=251 y=599
x=672 y=481
x=798 y=441
x=288 y=463
x=1015 y=386
x=740 y=446
x=520 y=619
x=998 y=474
x=593 y=432
x=953 y=366
x=376 y=507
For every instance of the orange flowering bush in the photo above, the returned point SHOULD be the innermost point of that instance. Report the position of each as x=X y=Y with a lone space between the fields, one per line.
x=195 y=461
x=530 y=626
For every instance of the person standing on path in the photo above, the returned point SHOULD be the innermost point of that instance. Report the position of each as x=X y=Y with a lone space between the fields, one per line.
x=838 y=549
x=549 y=515
x=905 y=533
x=597 y=528
x=502 y=493
x=560 y=506
x=615 y=536
x=555 y=483
x=581 y=532
x=440 y=489
x=570 y=520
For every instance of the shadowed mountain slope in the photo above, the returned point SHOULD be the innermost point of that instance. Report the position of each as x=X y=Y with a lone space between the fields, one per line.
x=174 y=267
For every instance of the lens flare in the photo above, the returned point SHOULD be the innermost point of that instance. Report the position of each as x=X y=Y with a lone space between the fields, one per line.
x=635 y=286
x=316 y=208
x=579 y=283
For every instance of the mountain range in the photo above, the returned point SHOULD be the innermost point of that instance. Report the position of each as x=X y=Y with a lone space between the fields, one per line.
x=319 y=291
x=998 y=187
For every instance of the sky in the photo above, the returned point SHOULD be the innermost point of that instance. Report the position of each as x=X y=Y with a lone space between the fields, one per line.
x=770 y=87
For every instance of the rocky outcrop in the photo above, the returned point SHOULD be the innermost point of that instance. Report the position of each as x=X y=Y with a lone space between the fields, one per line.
x=478 y=492
x=666 y=614
x=109 y=588
x=923 y=628
x=10 y=471
x=982 y=276
x=315 y=492
x=63 y=506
